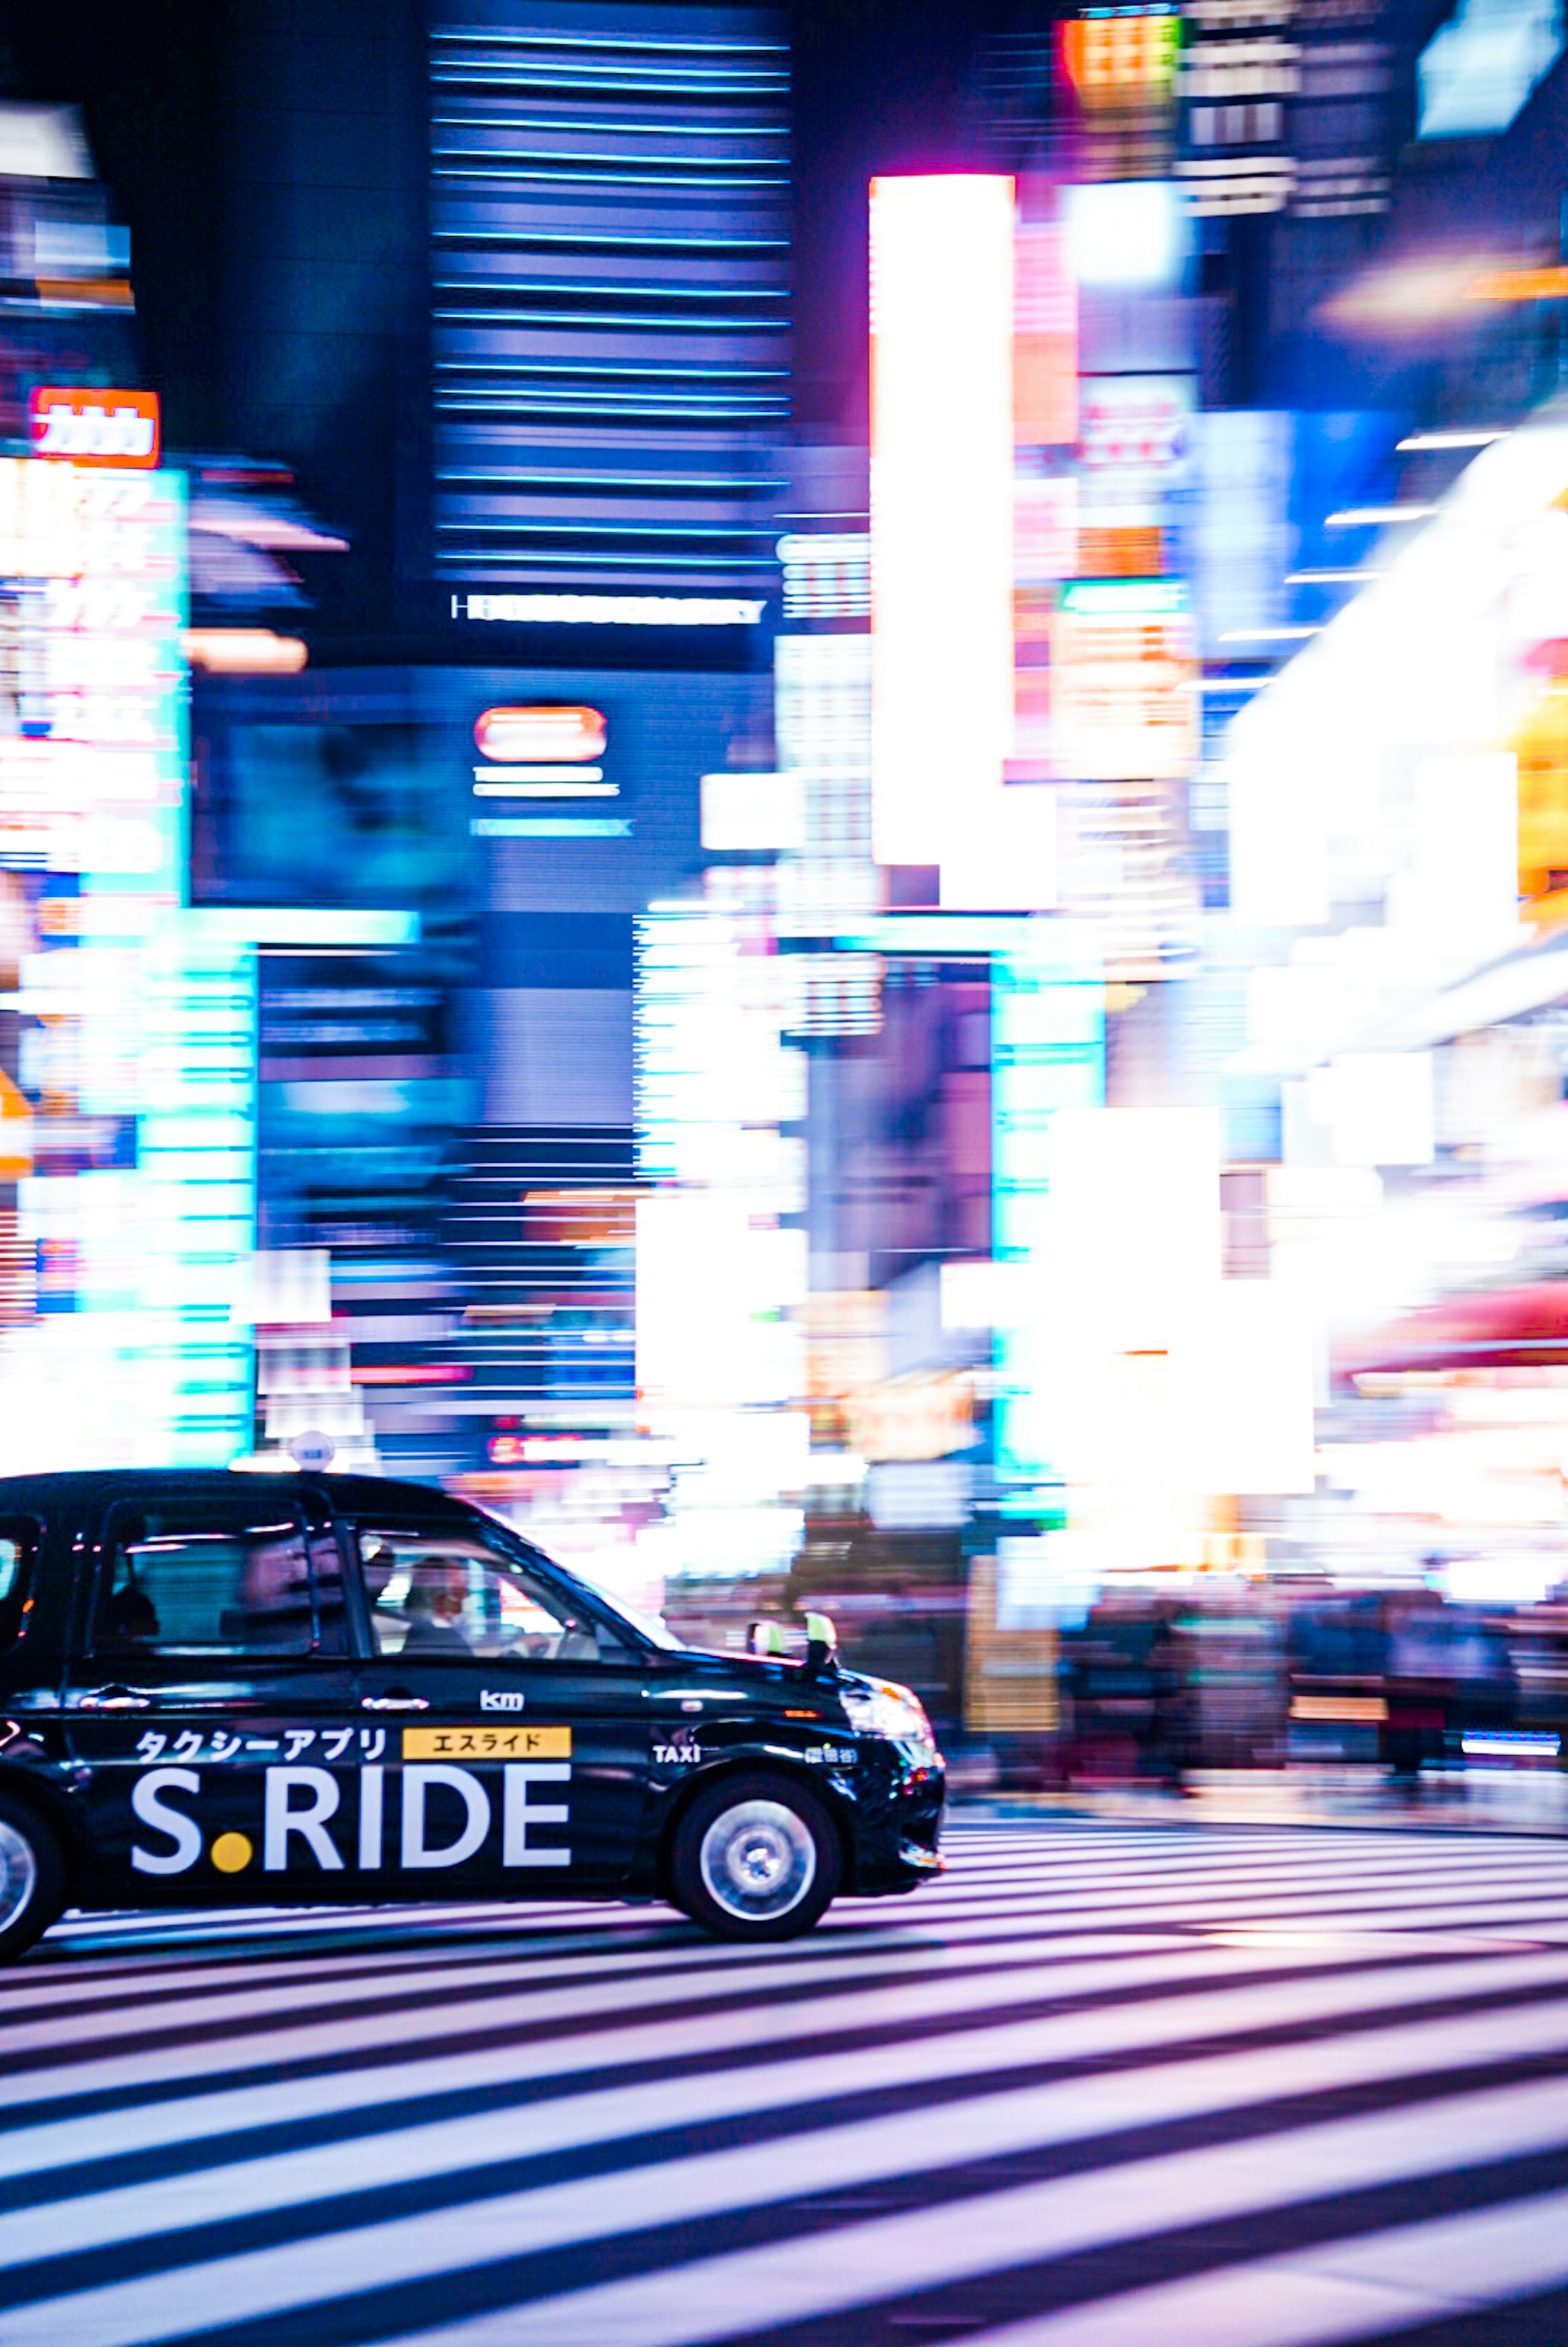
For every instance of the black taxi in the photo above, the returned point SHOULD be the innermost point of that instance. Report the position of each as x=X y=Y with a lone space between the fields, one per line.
x=221 y=1688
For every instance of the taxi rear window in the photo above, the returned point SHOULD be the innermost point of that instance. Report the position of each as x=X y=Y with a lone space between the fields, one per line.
x=203 y=1579
x=18 y=1541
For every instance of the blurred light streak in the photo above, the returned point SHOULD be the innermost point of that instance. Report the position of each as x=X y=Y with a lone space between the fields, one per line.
x=312 y=928
x=550 y=827
x=613 y=610
x=1418 y=443
x=1376 y=516
x=542 y=783
x=244 y=652
x=942 y=506
x=1519 y=286
x=1477 y=70
x=1406 y=297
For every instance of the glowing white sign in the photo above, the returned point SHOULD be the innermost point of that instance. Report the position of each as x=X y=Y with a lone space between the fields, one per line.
x=1126 y=233
x=614 y=610
x=942 y=506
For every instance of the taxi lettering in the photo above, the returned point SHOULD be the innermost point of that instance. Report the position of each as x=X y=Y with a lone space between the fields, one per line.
x=300 y=1804
x=344 y=1744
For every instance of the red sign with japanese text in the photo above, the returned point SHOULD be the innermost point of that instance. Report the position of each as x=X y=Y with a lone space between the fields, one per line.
x=93 y=426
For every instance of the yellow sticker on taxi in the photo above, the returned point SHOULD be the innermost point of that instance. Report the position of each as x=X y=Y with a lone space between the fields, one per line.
x=487 y=1743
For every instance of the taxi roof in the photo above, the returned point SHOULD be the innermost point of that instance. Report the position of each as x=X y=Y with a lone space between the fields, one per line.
x=346 y=1494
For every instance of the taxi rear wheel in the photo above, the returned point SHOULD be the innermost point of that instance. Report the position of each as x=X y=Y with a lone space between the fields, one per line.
x=756 y=1858
x=32 y=1877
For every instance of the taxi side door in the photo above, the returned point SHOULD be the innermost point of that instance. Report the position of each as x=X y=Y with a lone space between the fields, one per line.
x=209 y=1697
x=513 y=1716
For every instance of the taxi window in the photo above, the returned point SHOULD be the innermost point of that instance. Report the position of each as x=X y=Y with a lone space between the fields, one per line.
x=432 y=1595
x=18 y=1541
x=197 y=1578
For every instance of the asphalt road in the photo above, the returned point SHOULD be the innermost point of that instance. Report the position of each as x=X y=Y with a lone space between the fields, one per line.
x=1104 y=2086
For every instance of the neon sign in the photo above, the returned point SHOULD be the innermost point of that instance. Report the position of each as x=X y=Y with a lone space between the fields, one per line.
x=564 y=735
x=1114 y=54
x=97 y=427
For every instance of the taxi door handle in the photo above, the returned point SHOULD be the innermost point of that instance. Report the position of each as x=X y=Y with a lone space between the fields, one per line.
x=115 y=1698
x=393 y=1703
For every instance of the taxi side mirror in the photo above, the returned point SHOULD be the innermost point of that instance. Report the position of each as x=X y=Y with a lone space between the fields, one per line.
x=821 y=1644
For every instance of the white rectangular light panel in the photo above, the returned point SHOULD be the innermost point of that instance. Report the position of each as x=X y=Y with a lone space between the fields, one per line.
x=941 y=505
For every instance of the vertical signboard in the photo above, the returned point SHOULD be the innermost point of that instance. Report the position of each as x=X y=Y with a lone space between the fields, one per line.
x=941 y=505
x=1047 y=1053
x=137 y=1048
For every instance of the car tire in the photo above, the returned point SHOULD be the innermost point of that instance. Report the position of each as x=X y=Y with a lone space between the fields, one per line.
x=756 y=1857
x=32 y=1877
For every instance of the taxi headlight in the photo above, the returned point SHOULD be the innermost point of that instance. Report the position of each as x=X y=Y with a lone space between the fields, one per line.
x=880 y=1708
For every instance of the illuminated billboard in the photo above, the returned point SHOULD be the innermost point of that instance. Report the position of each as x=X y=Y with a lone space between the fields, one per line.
x=942 y=506
x=137 y=1048
x=1114 y=56
x=545 y=733
x=1047 y=1054
x=97 y=427
x=1046 y=337
x=1122 y=662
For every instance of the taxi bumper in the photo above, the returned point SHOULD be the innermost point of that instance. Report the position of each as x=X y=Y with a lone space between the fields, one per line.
x=897 y=1827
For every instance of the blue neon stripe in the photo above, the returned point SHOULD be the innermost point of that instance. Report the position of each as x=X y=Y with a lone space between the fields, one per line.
x=530 y=826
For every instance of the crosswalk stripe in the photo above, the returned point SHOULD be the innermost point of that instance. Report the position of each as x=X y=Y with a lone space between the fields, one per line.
x=1377 y=2286
x=671 y=1978
x=755 y=2026
x=717 y=2298
x=983 y=2126
x=1187 y=2026
x=932 y=2058
x=918 y=2004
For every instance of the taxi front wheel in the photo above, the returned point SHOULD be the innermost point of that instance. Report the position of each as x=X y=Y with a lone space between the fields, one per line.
x=756 y=1858
x=32 y=1877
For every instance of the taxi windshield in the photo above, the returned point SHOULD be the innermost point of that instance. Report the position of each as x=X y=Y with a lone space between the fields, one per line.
x=647 y=1627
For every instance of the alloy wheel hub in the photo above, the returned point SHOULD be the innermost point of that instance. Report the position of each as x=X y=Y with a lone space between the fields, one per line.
x=18 y=1873
x=758 y=1860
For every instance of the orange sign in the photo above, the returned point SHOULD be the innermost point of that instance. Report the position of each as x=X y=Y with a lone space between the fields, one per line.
x=97 y=427
x=1111 y=59
x=1519 y=285
x=15 y=1131
x=556 y=734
